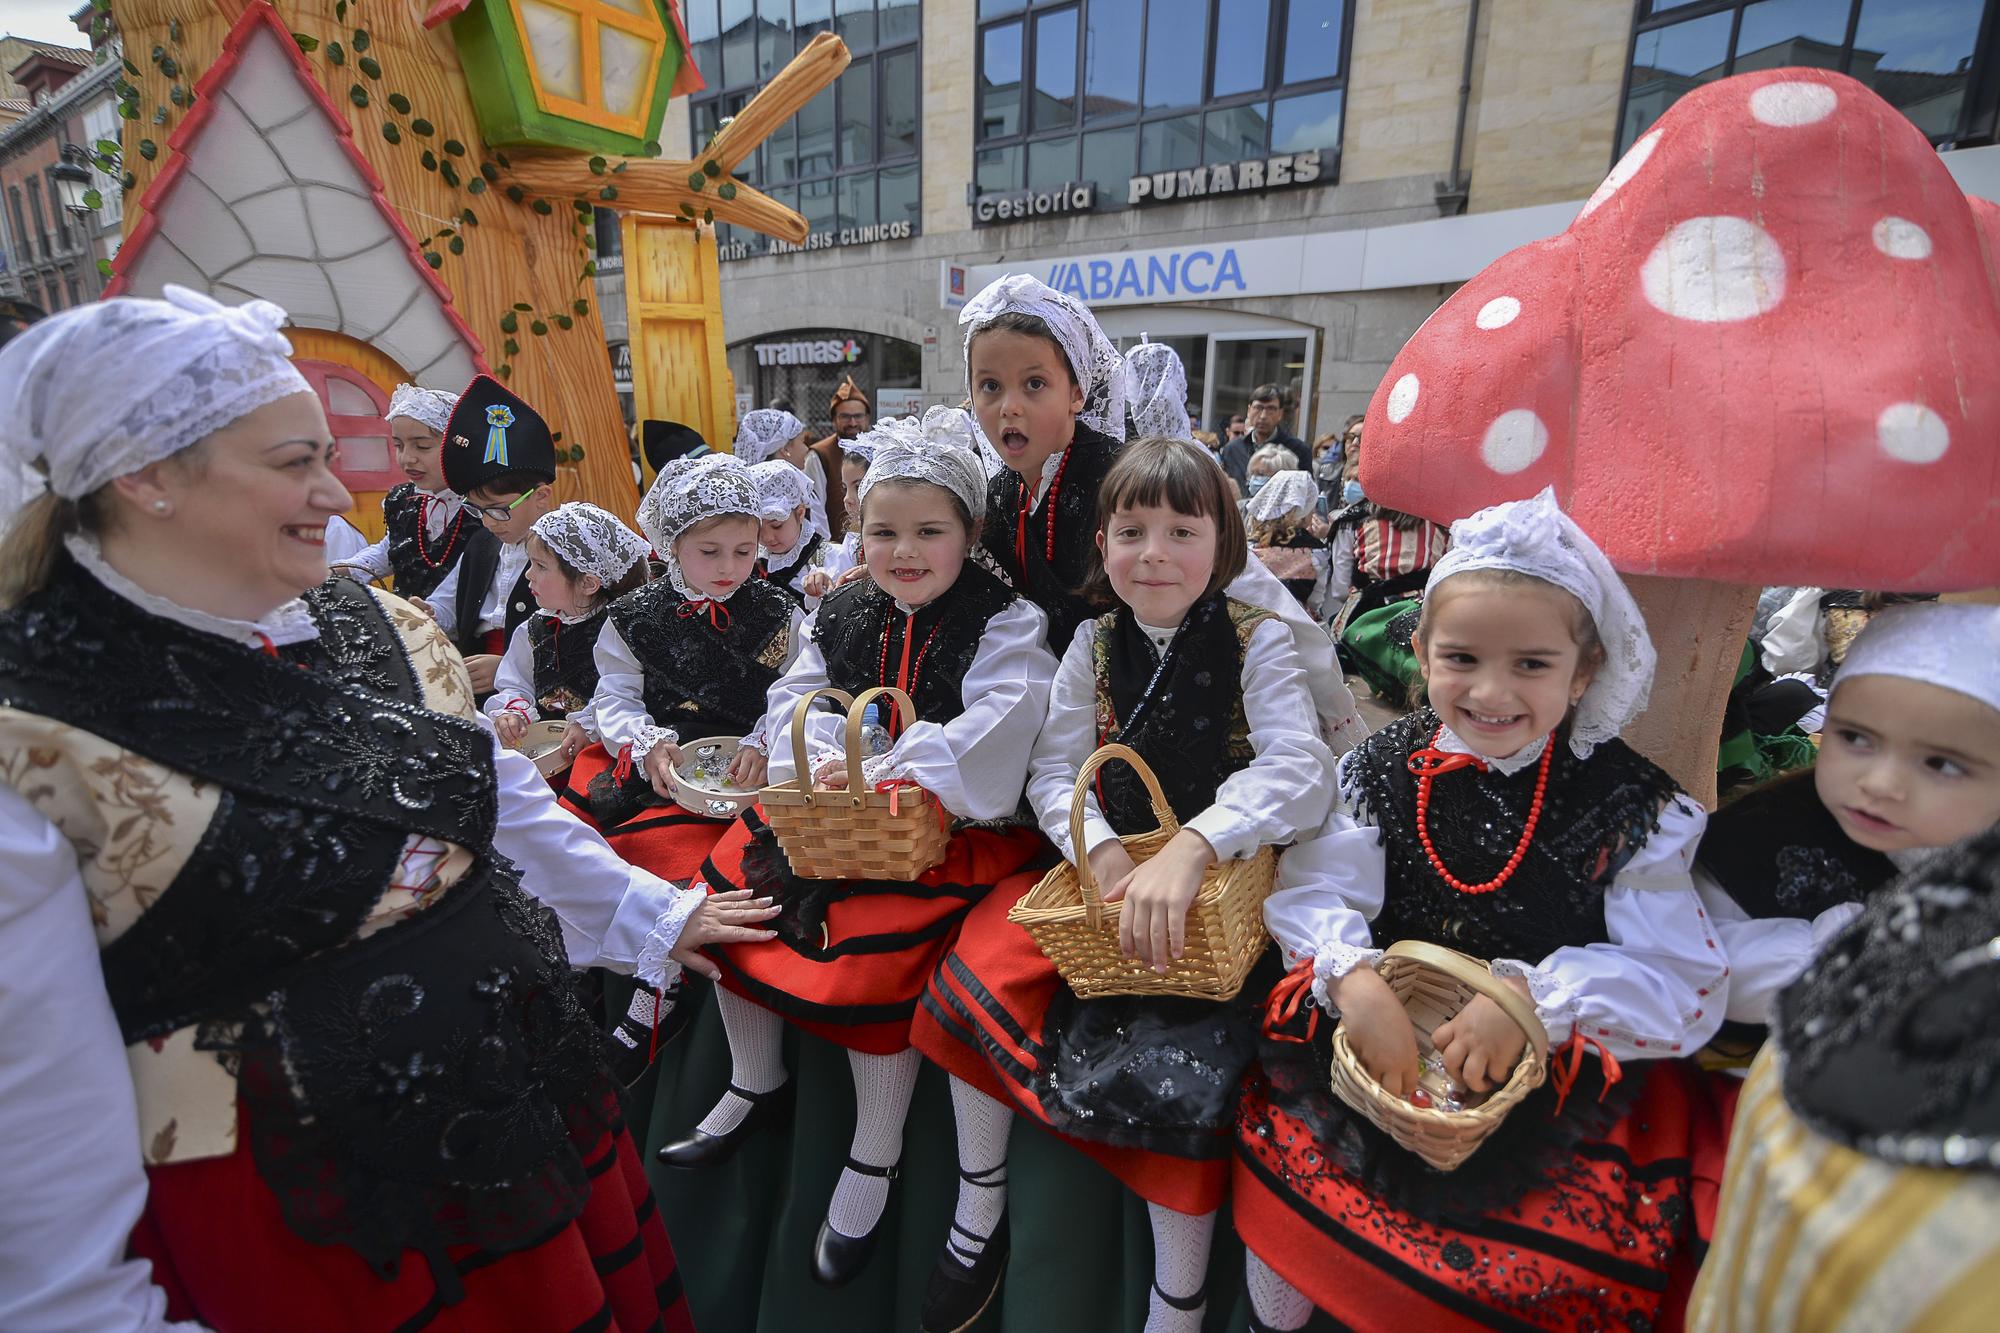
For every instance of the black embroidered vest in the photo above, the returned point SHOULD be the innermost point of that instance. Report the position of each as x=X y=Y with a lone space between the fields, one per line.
x=1597 y=815
x=565 y=662
x=1052 y=584
x=475 y=576
x=1183 y=713
x=707 y=674
x=418 y=560
x=423 y=1087
x=866 y=640
x=801 y=559
x=1778 y=852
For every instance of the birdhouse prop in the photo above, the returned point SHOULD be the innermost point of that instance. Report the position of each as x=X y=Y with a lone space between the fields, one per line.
x=1762 y=354
x=586 y=75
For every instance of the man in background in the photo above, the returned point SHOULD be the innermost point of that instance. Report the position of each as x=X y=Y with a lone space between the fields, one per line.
x=1265 y=423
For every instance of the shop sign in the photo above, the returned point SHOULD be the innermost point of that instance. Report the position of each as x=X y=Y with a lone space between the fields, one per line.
x=898 y=403
x=1019 y=205
x=1252 y=177
x=621 y=367
x=899 y=230
x=809 y=352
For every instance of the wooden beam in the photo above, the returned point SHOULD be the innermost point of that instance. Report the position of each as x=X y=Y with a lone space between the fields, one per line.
x=656 y=186
x=811 y=70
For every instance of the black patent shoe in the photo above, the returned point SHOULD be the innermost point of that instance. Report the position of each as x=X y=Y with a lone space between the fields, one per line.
x=963 y=1284
x=702 y=1149
x=837 y=1258
x=649 y=1023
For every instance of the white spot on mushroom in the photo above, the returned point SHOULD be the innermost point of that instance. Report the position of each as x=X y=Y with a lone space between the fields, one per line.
x=1791 y=104
x=1626 y=168
x=1402 y=398
x=1715 y=270
x=1912 y=433
x=1514 y=441
x=1900 y=238
x=1498 y=313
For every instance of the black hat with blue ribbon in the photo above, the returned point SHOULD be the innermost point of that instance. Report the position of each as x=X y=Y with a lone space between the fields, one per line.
x=493 y=433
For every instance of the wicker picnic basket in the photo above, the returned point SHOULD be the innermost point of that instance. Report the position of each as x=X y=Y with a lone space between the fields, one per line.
x=858 y=833
x=1434 y=983
x=1070 y=922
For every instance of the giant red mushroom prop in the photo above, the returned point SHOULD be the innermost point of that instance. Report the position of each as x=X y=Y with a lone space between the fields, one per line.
x=1766 y=352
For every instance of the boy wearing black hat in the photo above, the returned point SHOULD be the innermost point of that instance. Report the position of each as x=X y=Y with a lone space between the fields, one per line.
x=499 y=455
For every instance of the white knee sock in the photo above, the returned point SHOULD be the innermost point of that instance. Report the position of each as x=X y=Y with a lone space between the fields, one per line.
x=1180 y=1262
x=1278 y=1303
x=882 y=1088
x=983 y=1127
x=756 y=1058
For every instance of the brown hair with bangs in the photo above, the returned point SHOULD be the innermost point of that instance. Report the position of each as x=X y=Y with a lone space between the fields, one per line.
x=1184 y=477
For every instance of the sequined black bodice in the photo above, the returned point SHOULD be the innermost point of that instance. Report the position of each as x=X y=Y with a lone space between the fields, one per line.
x=707 y=668
x=419 y=560
x=565 y=662
x=863 y=636
x=1052 y=584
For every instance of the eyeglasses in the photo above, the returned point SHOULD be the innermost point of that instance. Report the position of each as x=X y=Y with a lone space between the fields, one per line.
x=496 y=513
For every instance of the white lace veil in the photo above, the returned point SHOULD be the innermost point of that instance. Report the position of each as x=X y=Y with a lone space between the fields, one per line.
x=1535 y=537
x=764 y=431
x=431 y=407
x=1157 y=382
x=1955 y=646
x=1099 y=370
x=102 y=390
x=937 y=447
x=592 y=540
x=781 y=489
x=1291 y=492
x=687 y=491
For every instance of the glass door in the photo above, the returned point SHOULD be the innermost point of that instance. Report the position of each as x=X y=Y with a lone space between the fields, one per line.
x=1240 y=362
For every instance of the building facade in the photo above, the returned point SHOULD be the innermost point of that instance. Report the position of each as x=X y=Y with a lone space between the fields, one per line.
x=1281 y=189
x=49 y=255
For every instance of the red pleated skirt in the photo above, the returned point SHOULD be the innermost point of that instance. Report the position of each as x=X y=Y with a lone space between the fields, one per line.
x=667 y=840
x=857 y=985
x=222 y=1252
x=981 y=1019
x=1610 y=1242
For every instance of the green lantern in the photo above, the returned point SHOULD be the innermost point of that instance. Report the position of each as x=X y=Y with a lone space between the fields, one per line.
x=589 y=75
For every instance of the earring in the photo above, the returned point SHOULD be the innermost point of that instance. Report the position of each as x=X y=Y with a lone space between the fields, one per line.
x=160 y=506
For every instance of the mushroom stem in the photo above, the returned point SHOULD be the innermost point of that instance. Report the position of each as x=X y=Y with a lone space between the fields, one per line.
x=1698 y=628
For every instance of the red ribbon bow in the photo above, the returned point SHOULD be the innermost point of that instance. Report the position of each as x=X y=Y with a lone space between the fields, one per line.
x=690 y=609
x=894 y=787
x=623 y=768
x=1563 y=1075
x=1293 y=992
x=1430 y=761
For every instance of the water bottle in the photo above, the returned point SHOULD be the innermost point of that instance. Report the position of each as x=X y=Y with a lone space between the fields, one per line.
x=874 y=736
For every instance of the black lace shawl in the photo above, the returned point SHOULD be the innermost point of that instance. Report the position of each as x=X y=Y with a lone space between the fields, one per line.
x=1779 y=852
x=427 y=1086
x=706 y=677
x=565 y=662
x=403 y=521
x=859 y=629
x=1183 y=713
x=1891 y=1037
x=1053 y=586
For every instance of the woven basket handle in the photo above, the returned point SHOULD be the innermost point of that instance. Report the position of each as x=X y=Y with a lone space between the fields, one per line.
x=1093 y=898
x=857 y=790
x=1480 y=978
x=802 y=771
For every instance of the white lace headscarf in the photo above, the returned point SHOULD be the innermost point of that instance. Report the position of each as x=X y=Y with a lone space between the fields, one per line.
x=1955 y=646
x=781 y=489
x=1535 y=537
x=1287 y=493
x=429 y=407
x=765 y=431
x=1099 y=370
x=688 y=491
x=102 y=390
x=1157 y=382
x=591 y=540
x=938 y=448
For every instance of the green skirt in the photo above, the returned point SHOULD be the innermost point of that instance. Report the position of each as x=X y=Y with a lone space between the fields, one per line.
x=1376 y=647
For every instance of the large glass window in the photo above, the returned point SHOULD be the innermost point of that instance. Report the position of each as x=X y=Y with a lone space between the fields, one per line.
x=848 y=160
x=1925 y=57
x=1105 y=90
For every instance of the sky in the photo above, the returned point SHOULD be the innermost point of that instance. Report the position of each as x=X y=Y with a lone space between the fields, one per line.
x=43 y=20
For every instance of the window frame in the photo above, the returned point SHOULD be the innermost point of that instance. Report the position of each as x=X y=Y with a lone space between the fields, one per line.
x=1266 y=96
x=317 y=372
x=1978 y=114
x=728 y=100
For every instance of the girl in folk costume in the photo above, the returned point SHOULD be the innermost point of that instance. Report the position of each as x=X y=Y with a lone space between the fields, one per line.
x=792 y=543
x=425 y=527
x=1507 y=821
x=851 y=957
x=1281 y=535
x=287 y=1031
x=1909 y=762
x=580 y=560
x=836 y=558
x=1156 y=392
x=770 y=432
x=1211 y=693
x=1050 y=393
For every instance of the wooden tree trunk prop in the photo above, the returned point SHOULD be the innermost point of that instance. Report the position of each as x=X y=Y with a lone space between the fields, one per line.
x=1698 y=629
x=673 y=304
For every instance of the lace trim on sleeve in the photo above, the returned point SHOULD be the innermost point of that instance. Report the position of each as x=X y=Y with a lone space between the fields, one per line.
x=653 y=966
x=1334 y=960
x=650 y=736
x=1555 y=1003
